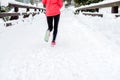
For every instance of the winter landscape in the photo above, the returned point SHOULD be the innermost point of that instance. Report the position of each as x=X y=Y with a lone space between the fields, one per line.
x=88 y=48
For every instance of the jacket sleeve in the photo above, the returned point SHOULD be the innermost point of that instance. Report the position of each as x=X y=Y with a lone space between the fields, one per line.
x=60 y=3
x=44 y=2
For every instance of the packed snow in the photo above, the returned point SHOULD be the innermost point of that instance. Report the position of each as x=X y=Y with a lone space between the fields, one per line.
x=104 y=10
x=88 y=48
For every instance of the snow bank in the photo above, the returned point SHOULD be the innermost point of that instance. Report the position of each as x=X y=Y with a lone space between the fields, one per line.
x=5 y=2
x=102 y=10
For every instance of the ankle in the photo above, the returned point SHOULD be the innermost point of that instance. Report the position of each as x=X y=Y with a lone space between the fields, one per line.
x=53 y=43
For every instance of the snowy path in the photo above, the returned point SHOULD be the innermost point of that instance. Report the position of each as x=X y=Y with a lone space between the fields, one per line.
x=80 y=54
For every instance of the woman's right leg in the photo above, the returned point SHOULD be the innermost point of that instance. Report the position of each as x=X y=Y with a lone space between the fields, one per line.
x=50 y=22
x=50 y=27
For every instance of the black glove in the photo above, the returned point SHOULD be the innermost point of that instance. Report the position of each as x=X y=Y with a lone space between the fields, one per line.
x=44 y=6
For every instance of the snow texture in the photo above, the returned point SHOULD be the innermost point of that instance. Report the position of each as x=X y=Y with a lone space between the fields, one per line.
x=88 y=48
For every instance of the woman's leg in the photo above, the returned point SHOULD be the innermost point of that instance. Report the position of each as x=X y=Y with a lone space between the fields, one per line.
x=56 y=21
x=50 y=22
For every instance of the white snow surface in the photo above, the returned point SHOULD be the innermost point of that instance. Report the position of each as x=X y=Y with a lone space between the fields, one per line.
x=88 y=48
x=102 y=10
x=100 y=3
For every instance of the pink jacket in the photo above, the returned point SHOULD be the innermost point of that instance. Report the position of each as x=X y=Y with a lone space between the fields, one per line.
x=52 y=7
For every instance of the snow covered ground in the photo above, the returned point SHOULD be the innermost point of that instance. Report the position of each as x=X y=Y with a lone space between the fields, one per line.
x=88 y=48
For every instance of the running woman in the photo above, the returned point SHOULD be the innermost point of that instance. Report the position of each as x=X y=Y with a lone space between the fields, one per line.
x=53 y=15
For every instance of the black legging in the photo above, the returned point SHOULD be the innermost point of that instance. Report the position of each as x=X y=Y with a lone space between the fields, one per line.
x=50 y=22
